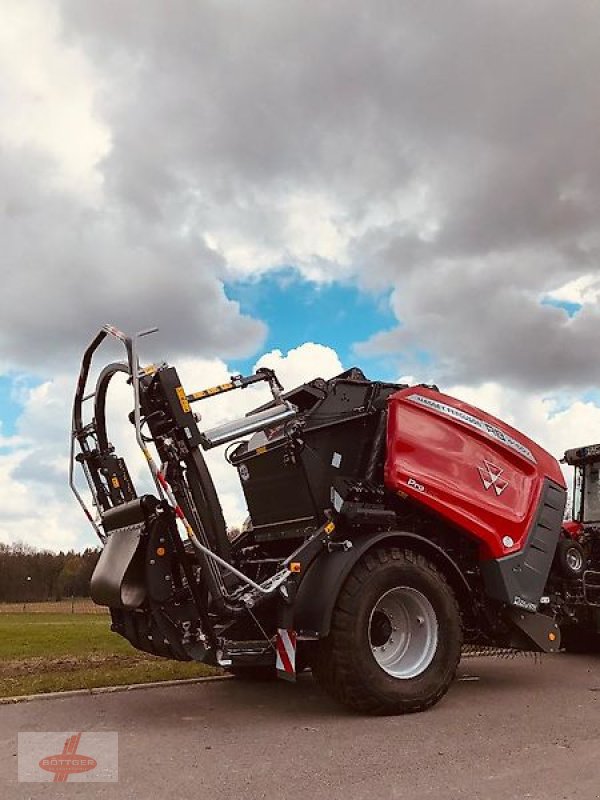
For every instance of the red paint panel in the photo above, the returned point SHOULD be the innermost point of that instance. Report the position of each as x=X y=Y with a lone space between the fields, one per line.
x=573 y=529
x=466 y=465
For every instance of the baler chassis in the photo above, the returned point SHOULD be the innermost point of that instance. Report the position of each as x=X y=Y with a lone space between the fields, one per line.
x=337 y=571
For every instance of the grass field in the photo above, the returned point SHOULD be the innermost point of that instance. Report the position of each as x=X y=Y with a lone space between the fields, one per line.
x=47 y=652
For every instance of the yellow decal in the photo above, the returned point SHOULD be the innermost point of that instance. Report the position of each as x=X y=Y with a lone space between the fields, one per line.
x=115 y=482
x=150 y=369
x=183 y=399
x=330 y=527
x=295 y=566
x=260 y=450
x=224 y=387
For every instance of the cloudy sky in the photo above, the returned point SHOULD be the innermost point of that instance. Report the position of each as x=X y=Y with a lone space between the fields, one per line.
x=413 y=187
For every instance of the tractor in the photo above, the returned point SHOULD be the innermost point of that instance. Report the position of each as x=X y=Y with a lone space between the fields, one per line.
x=389 y=526
x=577 y=557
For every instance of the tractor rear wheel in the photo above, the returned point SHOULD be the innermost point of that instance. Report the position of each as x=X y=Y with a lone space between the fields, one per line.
x=396 y=635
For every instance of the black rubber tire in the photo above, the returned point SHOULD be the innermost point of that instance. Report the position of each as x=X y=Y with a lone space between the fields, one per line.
x=344 y=663
x=562 y=559
x=578 y=639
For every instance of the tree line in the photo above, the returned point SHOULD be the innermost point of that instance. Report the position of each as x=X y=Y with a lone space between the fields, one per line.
x=29 y=575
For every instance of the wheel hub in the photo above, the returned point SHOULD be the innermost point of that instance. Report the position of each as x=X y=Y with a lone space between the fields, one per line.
x=381 y=629
x=403 y=632
x=574 y=559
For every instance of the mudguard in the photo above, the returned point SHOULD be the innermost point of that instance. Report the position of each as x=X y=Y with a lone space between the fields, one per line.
x=519 y=579
x=118 y=580
x=320 y=587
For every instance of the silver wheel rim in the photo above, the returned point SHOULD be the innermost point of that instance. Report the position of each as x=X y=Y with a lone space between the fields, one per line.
x=574 y=559
x=403 y=632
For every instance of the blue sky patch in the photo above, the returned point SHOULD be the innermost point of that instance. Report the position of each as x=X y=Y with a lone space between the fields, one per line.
x=591 y=396
x=566 y=305
x=298 y=310
x=11 y=407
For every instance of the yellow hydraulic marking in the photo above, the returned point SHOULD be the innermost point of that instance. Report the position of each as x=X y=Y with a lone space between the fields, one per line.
x=146 y=453
x=260 y=450
x=330 y=527
x=150 y=369
x=115 y=482
x=183 y=399
x=223 y=387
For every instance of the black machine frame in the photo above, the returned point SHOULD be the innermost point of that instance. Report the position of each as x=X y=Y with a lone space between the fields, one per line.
x=192 y=598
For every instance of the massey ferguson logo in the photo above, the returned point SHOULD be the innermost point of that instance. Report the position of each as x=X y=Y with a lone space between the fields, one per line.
x=491 y=475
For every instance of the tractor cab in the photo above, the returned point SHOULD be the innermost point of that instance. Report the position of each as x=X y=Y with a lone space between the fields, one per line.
x=586 y=486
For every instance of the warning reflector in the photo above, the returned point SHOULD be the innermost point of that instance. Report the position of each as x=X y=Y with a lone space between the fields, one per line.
x=286 y=654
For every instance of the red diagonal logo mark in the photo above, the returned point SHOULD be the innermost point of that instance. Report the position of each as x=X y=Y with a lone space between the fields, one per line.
x=69 y=762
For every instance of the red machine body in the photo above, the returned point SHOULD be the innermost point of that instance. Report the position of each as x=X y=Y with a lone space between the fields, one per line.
x=466 y=465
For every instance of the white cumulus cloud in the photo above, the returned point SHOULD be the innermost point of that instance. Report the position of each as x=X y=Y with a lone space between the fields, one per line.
x=36 y=504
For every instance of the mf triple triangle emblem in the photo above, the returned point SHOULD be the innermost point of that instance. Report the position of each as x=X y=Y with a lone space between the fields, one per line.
x=491 y=475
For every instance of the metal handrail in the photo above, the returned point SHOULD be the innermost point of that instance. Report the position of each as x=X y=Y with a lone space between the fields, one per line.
x=78 y=432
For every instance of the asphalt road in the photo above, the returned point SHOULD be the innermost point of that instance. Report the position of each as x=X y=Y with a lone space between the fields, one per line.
x=507 y=729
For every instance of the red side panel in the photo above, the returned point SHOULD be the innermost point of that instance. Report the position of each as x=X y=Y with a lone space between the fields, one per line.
x=468 y=466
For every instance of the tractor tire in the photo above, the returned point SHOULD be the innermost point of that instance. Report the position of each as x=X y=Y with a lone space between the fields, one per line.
x=578 y=639
x=570 y=559
x=396 y=636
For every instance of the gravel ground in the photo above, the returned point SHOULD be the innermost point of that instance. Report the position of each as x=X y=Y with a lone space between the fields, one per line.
x=507 y=729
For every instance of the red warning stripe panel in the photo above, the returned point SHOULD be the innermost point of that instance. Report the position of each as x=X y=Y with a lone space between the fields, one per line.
x=286 y=652
x=283 y=657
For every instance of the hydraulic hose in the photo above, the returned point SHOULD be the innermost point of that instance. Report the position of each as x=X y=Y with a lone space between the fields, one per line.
x=102 y=384
x=378 y=448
